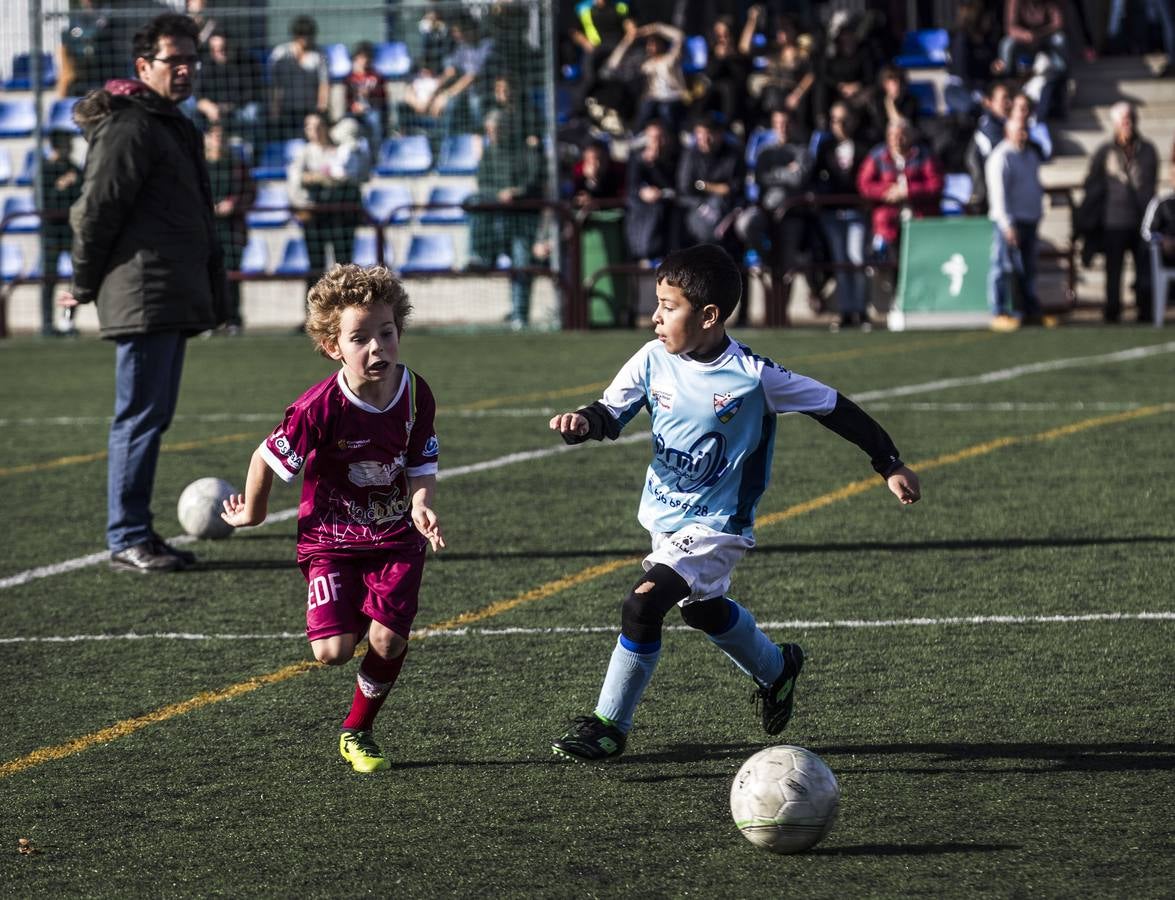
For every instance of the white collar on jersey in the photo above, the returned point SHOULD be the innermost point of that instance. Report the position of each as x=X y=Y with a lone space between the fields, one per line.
x=367 y=407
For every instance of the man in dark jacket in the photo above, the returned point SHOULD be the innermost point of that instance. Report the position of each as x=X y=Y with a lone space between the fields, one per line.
x=145 y=252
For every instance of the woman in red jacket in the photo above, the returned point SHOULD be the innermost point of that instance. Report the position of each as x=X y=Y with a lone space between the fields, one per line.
x=903 y=178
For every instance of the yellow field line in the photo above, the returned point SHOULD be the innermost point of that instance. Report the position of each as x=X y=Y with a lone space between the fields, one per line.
x=542 y=592
x=179 y=447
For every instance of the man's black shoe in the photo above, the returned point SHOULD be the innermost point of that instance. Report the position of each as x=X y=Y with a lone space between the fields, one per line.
x=187 y=557
x=146 y=557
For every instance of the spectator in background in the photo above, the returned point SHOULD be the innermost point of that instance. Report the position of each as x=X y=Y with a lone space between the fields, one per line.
x=1130 y=26
x=145 y=251
x=1119 y=185
x=519 y=124
x=458 y=99
x=651 y=225
x=891 y=101
x=1036 y=29
x=600 y=26
x=989 y=131
x=233 y=192
x=782 y=172
x=229 y=87
x=786 y=80
x=366 y=93
x=663 y=93
x=1015 y=197
x=709 y=183
x=321 y=178
x=86 y=56
x=904 y=179
x=435 y=42
x=847 y=71
x=61 y=185
x=838 y=161
x=974 y=55
x=1158 y=229
x=596 y=176
x=413 y=111
x=299 y=80
x=206 y=24
x=506 y=174
x=725 y=77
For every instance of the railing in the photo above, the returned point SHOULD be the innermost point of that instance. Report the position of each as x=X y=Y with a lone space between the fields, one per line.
x=574 y=286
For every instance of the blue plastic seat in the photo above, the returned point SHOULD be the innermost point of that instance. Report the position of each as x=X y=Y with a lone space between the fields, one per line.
x=11 y=261
x=695 y=54
x=255 y=257
x=407 y=155
x=392 y=59
x=956 y=192
x=365 y=252
x=275 y=157
x=295 y=258
x=338 y=61
x=24 y=220
x=28 y=169
x=924 y=92
x=389 y=204
x=22 y=72
x=459 y=155
x=18 y=118
x=928 y=48
x=446 y=200
x=61 y=115
x=270 y=208
x=429 y=253
x=5 y=166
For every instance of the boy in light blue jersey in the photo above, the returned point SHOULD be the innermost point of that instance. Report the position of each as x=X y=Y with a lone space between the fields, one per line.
x=713 y=405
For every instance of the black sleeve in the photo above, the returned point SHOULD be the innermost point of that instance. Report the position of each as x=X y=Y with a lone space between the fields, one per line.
x=601 y=424
x=854 y=424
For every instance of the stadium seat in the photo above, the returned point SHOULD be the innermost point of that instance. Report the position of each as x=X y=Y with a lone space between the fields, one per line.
x=275 y=156
x=695 y=54
x=459 y=155
x=389 y=204
x=429 y=253
x=338 y=61
x=928 y=48
x=19 y=216
x=22 y=72
x=18 y=118
x=408 y=155
x=5 y=166
x=446 y=200
x=392 y=59
x=924 y=92
x=11 y=261
x=295 y=259
x=28 y=169
x=1161 y=278
x=61 y=115
x=267 y=210
x=255 y=258
x=364 y=253
x=956 y=193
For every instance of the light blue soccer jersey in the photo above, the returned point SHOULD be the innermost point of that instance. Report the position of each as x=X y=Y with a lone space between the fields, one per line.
x=713 y=431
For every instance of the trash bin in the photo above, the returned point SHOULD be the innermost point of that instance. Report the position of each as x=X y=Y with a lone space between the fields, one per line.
x=601 y=245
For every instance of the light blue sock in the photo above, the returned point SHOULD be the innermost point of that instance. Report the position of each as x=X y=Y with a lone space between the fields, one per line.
x=629 y=672
x=751 y=650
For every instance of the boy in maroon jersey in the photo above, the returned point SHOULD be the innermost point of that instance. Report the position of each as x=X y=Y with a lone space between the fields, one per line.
x=365 y=443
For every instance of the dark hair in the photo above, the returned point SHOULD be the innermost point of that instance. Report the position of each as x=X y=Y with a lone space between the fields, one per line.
x=303 y=26
x=170 y=25
x=705 y=274
x=364 y=48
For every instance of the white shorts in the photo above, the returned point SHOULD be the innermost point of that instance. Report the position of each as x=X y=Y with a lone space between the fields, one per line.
x=705 y=558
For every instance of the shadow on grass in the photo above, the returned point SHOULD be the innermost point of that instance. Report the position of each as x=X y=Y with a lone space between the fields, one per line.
x=952 y=758
x=908 y=849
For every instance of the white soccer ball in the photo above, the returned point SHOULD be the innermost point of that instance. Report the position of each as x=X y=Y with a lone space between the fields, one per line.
x=784 y=799
x=200 y=506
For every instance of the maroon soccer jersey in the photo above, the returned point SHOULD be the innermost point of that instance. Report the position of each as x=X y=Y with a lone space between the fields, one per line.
x=356 y=460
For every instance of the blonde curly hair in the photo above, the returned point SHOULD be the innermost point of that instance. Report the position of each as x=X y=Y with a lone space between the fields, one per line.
x=351 y=285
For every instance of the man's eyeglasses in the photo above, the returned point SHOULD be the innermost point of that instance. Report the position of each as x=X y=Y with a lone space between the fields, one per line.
x=174 y=62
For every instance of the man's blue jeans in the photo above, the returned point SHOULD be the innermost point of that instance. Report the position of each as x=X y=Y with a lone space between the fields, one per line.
x=1013 y=271
x=147 y=371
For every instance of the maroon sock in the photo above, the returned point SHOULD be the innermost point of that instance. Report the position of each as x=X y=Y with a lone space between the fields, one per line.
x=375 y=679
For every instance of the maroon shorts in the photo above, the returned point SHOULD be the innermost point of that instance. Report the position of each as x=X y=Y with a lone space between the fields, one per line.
x=346 y=593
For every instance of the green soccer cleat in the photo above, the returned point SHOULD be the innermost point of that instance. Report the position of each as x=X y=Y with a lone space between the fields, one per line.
x=777 y=700
x=590 y=739
x=362 y=752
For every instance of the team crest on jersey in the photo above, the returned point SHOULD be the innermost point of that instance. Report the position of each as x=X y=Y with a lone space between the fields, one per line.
x=431 y=447
x=661 y=398
x=726 y=406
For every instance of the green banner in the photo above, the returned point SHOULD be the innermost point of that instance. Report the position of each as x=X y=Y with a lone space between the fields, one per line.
x=942 y=273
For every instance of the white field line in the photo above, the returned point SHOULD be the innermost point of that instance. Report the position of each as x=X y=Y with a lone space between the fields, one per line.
x=785 y=625
x=997 y=375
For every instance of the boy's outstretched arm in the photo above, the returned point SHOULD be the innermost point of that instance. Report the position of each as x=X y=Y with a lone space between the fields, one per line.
x=250 y=508
x=421 y=489
x=854 y=424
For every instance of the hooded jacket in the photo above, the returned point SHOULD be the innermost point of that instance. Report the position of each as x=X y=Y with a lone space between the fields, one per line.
x=144 y=245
